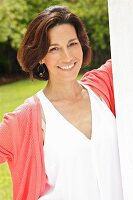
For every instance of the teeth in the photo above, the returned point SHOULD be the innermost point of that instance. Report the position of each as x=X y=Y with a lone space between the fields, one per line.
x=67 y=67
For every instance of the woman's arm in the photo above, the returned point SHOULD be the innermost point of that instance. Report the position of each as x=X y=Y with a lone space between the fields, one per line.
x=7 y=127
x=12 y=131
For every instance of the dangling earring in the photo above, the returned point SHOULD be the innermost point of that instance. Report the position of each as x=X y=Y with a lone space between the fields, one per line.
x=41 y=70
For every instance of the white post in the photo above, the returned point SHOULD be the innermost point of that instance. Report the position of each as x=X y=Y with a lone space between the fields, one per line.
x=121 y=38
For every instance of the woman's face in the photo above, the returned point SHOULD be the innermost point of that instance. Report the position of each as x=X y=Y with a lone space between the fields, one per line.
x=65 y=55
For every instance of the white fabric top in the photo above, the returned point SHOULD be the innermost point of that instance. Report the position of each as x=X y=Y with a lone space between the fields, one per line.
x=79 y=168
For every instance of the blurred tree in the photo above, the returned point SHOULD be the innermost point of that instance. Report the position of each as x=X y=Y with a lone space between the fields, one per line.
x=15 y=15
x=94 y=14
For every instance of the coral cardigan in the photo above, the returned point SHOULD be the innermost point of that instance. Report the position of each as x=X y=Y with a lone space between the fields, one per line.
x=21 y=141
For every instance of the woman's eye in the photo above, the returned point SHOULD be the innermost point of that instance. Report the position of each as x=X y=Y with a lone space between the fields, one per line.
x=73 y=44
x=54 y=49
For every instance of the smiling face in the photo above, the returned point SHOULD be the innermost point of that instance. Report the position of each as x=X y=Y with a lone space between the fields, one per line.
x=65 y=56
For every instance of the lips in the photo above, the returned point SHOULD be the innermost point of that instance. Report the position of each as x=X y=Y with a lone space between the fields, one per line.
x=67 y=67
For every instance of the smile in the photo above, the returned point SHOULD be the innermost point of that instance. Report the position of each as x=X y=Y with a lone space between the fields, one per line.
x=68 y=67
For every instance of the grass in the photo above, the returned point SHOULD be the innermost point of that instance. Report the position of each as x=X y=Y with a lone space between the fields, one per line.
x=11 y=96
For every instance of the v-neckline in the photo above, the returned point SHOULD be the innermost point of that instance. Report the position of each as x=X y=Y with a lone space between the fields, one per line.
x=67 y=121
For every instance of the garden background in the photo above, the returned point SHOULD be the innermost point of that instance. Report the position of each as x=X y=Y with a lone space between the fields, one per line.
x=15 y=15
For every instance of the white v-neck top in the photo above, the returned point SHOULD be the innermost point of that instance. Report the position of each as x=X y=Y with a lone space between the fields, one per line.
x=79 y=168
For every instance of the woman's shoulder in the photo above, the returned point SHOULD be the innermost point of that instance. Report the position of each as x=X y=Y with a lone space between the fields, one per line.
x=21 y=112
x=28 y=104
x=100 y=78
x=101 y=81
x=105 y=70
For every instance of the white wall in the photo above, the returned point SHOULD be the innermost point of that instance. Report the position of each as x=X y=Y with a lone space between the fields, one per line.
x=121 y=37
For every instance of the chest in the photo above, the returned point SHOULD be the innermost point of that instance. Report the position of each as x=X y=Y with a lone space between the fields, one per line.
x=65 y=147
x=78 y=113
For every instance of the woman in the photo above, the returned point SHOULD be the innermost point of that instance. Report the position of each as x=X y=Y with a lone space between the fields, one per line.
x=61 y=144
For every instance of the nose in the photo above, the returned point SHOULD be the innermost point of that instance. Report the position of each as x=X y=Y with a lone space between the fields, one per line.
x=66 y=55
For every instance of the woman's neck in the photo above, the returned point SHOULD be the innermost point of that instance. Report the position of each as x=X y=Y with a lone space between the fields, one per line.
x=63 y=91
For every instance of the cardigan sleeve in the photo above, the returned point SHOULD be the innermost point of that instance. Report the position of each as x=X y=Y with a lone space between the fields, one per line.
x=7 y=127
x=12 y=133
x=101 y=81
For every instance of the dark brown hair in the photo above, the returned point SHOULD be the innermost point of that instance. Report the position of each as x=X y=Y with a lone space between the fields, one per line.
x=35 y=43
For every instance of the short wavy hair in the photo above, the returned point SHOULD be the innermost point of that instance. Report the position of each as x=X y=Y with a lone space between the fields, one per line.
x=35 y=43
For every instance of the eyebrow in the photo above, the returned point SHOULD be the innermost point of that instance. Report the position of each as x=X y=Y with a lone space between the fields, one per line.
x=55 y=44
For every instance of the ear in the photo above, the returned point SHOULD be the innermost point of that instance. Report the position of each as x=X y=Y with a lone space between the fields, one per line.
x=42 y=61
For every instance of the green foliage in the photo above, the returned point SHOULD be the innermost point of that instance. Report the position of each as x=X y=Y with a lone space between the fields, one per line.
x=13 y=17
x=16 y=15
x=94 y=13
